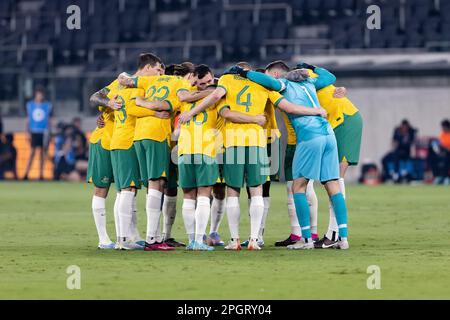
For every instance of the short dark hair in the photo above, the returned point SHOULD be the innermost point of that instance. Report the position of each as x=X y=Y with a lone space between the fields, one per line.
x=148 y=58
x=244 y=65
x=40 y=89
x=445 y=123
x=184 y=69
x=278 y=65
x=170 y=69
x=202 y=70
x=261 y=70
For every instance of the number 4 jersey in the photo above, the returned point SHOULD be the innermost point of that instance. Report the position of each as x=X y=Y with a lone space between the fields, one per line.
x=247 y=97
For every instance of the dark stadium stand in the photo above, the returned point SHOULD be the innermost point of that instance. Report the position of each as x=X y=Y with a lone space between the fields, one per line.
x=34 y=38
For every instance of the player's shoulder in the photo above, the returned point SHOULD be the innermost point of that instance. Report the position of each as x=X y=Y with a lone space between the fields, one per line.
x=114 y=85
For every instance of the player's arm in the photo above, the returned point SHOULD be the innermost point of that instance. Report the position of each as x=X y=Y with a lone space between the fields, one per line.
x=128 y=81
x=292 y=108
x=192 y=96
x=211 y=99
x=152 y=105
x=238 y=117
x=100 y=98
x=325 y=78
x=262 y=79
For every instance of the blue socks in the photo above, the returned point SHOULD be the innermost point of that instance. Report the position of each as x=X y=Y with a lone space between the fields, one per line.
x=340 y=210
x=302 y=209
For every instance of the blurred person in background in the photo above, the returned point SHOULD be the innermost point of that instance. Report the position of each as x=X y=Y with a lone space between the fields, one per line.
x=39 y=112
x=64 y=161
x=8 y=155
x=439 y=155
x=80 y=147
x=397 y=164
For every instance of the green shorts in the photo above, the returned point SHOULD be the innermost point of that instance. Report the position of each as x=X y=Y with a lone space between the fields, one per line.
x=197 y=170
x=154 y=158
x=246 y=164
x=172 y=177
x=126 y=168
x=289 y=158
x=348 y=138
x=275 y=161
x=100 y=171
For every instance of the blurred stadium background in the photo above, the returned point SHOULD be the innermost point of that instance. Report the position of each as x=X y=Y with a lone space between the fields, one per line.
x=401 y=71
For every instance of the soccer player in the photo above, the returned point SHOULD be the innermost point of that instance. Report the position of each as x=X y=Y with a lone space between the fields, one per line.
x=152 y=140
x=169 y=208
x=347 y=123
x=123 y=154
x=245 y=143
x=316 y=158
x=204 y=79
x=100 y=172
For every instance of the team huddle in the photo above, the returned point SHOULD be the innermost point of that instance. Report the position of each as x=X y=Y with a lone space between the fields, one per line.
x=178 y=126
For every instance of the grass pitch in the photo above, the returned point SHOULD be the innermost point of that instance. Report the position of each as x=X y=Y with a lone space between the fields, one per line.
x=46 y=227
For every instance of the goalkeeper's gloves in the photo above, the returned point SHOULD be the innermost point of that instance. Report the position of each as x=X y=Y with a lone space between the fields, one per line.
x=237 y=70
x=304 y=65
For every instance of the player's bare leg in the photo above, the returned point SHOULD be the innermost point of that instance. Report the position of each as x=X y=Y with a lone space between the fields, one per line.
x=99 y=213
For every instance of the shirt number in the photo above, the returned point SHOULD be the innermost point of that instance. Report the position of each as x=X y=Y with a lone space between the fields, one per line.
x=248 y=102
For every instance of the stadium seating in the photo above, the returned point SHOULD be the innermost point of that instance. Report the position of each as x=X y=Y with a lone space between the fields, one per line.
x=241 y=29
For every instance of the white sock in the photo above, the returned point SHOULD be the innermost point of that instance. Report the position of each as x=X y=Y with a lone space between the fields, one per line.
x=188 y=213
x=333 y=229
x=153 y=208
x=169 y=211
x=295 y=226
x=201 y=217
x=134 y=223
x=256 y=215
x=158 y=236
x=313 y=205
x=116 y=216
x=217 y=211
x=99 y=212
x=264 y=217
x=234 y=215
x=125 y=213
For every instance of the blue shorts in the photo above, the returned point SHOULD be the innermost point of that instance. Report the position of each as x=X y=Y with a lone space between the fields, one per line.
x=316 y=159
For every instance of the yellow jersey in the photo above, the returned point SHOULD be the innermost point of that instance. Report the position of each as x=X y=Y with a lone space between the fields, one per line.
x=220 y=126
x=335 y=107
x=271 y=125
x=291 y=136
x=198 y=136
x=163 y=88
x=247 y=97
x=126 y=118
x=104 y=134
